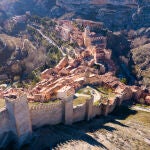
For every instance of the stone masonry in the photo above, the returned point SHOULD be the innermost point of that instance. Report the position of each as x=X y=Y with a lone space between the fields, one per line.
x=19 y=119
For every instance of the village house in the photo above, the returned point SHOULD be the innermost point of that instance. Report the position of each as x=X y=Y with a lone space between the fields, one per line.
x=65 y=92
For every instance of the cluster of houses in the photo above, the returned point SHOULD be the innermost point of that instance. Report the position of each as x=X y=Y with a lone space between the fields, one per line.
x=67 y=77
x=91 y=66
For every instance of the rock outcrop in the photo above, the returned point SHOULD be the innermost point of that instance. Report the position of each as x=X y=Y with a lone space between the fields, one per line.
x=72 y=3
x=115 y=14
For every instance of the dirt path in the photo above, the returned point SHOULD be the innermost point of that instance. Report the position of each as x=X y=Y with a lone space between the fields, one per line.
x=94 y=93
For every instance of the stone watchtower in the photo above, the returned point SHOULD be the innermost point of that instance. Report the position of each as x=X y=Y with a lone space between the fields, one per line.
x=87 y=31
x=87 y=40
x=68 y=110
x=87 y=75
x=19 y=116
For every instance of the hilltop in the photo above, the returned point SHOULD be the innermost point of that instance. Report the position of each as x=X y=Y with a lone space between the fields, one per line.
x=71 y=61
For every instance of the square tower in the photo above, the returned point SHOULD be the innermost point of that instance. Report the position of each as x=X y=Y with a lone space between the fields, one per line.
x=19 y=115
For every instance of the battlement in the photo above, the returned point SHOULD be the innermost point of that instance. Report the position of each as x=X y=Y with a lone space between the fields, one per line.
x=45 y=107
x=15 y=100
x=17 y=116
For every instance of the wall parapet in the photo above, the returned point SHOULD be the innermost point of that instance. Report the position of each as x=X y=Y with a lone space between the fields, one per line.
x=45 y=107
x=20 y=121
x=79 y=113
x=16 y=100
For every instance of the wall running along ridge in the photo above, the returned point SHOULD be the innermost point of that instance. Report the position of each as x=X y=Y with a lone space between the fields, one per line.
x=19 y=119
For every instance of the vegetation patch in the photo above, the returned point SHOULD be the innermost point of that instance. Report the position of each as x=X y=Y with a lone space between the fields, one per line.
x=96 y=103
x=143 y=105
x=84 y=91
x=140 y=118
x=45 y=103
x=106 y=93
x=79 y=101
x=141 y=67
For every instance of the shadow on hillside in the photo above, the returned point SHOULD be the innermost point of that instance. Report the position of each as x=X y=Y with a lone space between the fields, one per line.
x=49 y=137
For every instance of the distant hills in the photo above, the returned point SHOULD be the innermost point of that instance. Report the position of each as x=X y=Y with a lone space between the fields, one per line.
x=114 y=13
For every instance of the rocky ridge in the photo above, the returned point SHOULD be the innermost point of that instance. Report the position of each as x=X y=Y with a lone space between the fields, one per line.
x=125 y=14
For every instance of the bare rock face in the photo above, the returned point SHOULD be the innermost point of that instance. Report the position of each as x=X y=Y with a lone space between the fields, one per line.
x=3 y=16
x=116 y=14
x=142 y=16
x=71 y=5
x=13 y=52
x=64 y=3
x=19 y=7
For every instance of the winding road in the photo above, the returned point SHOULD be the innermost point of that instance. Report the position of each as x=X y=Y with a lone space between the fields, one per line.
x=95 y=93
x=49 y=40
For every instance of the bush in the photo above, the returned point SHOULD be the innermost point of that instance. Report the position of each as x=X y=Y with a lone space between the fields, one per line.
x=96 y=103
x=35 y=79
x=79 y=101
x=124 y=80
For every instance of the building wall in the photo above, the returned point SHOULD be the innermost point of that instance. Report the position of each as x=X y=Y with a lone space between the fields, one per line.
x=68 y=110
x=44 y=115
x=19 y=116
x=22 y=117
x=112 y=107
x=79 y=113
x=97 y=111
x=4 y=121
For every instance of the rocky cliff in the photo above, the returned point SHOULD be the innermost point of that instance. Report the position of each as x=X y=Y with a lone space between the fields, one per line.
x=70 y=3
x=116 y=14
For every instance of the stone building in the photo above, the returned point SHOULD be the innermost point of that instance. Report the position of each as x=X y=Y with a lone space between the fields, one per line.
x=65 y=92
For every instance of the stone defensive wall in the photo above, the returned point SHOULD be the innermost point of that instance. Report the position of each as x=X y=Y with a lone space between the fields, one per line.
x=4 y=121
x=79 y=113
x=18 y=118
x=50 y=114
